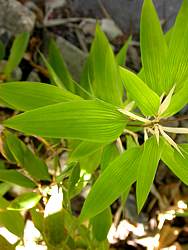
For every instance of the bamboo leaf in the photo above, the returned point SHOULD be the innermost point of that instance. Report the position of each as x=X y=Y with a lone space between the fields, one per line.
x=24 y=201
x=14 y=177
x=177 y=61
x=92 y=161
x=5 y=244
x=56 y=61
x=26 y=159
x=110 y=152
x=29 y=95
x=86 y=120
x=177 y=164
x=147 y=100
x=146 y=170
x=153 y=47
x=101 y=224
x=122 y=54
x=103 y=70
x=54 y=230
x=114 y=180
x=13 y=221
x=17 y=51
x=84 y=149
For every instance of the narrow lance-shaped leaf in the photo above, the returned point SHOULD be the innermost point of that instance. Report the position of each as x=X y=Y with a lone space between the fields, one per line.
x=110 y=152
x=26 y=159
x=54 y=230
x=147 y=169
x=14 y=177
x=86 y=79
x=153 y=47
x=146 y=99
x=101 y=224
x=91 y=162
x=176 y=64
x=17 y=51
x=122 y=54
x=30 y=95
x=86 y=120
x=115 y=179
x=177 y=163
x=25 y=201
x=84 y=149
x=13 y=221
x=103 y=70
x=5 y=244
x=57 y=63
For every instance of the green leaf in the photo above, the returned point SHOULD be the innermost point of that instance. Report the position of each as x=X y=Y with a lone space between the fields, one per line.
x=153 y=47
x=17 y=51
x=13 y=221
x=84 y=149
x=3 y=203
x=25 y=201
x=56 y=61
x=14 y=177
x=103 y=71
x=5 y=151
x=122 y=54
x=86 y=120
x=177 y=61
x=114 y=180
x=2 y=50
x=37 y=218
x=176 y=163
x=92 y=161
x=147 y=169
x=54 y=230
x=147 y=100
x=74 y=178
x=109 y=154
x=101 y=224
x=4 y=188
x=29 y=95
x=86 y=79
x=26 y=159
x=178 y=100
x=5 y=245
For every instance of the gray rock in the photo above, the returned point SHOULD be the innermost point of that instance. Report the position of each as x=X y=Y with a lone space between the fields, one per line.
x=126 y=13
x=15 y=18
x=33 y=77
x=110 y=28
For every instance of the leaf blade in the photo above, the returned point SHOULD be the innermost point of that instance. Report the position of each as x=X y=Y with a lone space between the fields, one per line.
x=147 y=100
x=17 y=51
x=56 y=60
x=120 y=175
x=146 y=170
x=29 y=95
x=26 y=159
x=176 y=65
x=14 y=177
x=176 y=163
x=153 y=47
x=86 y=120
